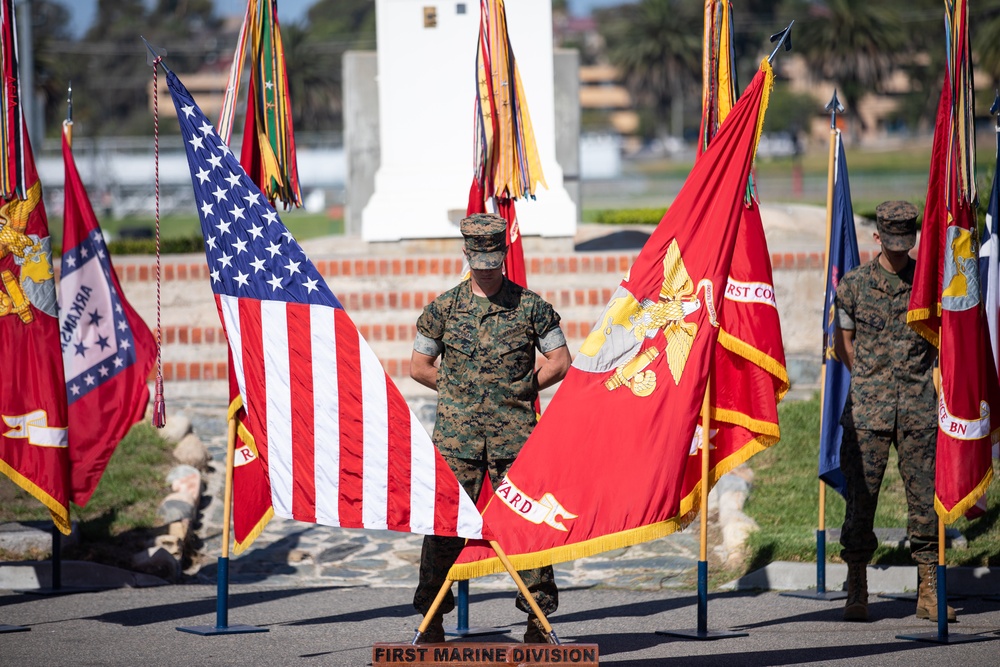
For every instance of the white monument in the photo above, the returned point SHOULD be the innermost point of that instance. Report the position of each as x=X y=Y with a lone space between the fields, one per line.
x=427 y=87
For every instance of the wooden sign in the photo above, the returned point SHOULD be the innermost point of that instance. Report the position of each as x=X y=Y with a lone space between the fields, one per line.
x=493 y=654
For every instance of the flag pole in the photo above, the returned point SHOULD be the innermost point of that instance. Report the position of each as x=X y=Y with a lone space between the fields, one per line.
x=820 y=593
x=521 y=586
x=942 y=636
x=222 y=626
x=784 y=40
x=702 y=632
x=56 y=533
x=56 y=573
x=55 y=564
x=422 y=628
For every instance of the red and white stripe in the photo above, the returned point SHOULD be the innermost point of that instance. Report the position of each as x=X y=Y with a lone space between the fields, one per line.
x=343 y=448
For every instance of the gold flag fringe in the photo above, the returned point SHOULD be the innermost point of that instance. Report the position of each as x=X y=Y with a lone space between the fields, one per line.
x=59 y=512
x=966 y=503
x=247 y=439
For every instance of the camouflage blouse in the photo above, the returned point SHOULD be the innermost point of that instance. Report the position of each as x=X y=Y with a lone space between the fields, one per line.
x=892 y=378
x=485 y=383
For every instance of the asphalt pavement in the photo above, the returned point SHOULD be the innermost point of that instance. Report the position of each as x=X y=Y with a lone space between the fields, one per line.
x=337 y=625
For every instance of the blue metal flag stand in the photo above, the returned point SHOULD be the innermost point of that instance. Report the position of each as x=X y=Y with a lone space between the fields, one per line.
x=942 y=635
x=462 y=607
x=222 y=626
x=702 y=632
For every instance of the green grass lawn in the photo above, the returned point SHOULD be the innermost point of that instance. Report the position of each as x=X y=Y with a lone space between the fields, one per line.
x=301 y=224
x=121 y=514
x=784 y=503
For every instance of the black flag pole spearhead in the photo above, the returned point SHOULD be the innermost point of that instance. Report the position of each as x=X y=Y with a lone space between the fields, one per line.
x=782 y=38
x=834 y=107
x=154 y=53
x=69 y=103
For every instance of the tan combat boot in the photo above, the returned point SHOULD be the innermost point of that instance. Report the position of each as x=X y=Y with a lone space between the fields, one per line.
x=856 y=608
x=927 y=594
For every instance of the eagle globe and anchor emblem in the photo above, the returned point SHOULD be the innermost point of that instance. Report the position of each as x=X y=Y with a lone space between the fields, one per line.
x=32 y=254
x=36 y=286
x=616 y=340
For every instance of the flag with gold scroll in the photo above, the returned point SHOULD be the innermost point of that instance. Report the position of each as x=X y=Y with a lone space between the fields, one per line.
x=607 y=465
x=946 y=305
x=34 y=439
x=108 y=351
x=252 y=509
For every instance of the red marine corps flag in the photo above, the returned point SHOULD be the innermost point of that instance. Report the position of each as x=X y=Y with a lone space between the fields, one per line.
x=610 y=462
x=33 y=422
x=946 y=306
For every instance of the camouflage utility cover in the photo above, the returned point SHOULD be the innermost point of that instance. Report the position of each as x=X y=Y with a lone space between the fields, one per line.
x=485 y=383
x=485 y=240
x=892 y=377
x=896 y=222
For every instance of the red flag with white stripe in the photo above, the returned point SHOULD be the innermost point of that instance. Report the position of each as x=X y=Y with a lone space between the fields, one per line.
x=338 y=442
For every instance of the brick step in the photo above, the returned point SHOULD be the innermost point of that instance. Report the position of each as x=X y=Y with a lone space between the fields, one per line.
x=190 y=267
x=373 y=333
x=396 y=367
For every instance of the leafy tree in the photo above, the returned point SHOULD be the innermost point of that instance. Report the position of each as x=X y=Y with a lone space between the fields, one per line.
x=314 y=59
x=854 y=43
x=109 y=72
x=50 y=26
x=986 y=41
x=657 y=45
x=314 y=79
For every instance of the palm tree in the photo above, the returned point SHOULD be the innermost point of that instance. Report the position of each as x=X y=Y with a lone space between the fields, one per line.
x=657 y=45
x=986 y=42
x=854 y=43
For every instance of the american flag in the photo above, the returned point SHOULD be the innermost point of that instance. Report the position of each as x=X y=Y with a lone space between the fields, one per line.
x=341 y=446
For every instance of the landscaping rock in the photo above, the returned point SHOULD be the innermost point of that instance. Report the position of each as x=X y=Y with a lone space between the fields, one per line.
x=178 y=425
x=157 y=561
x=191 y=451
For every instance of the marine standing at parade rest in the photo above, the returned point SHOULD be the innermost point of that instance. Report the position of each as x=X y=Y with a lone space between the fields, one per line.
x=892 y=401
x=485 y=332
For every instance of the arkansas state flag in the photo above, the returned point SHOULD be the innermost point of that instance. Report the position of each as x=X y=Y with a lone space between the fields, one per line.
x=609 y=463
x=107 y=350
x=947 y=298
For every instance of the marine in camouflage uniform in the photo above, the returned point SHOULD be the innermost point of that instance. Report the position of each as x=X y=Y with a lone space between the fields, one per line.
x=487 y=386
x=892 y=400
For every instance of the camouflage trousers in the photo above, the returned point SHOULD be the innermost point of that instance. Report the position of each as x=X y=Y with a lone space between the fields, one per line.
x=439 y=553
x=863 y=459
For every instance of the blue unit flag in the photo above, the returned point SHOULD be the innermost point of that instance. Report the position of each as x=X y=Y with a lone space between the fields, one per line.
x=842 y=257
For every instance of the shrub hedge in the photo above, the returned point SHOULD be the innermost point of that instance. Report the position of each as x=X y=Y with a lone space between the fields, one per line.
x=629 y=216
